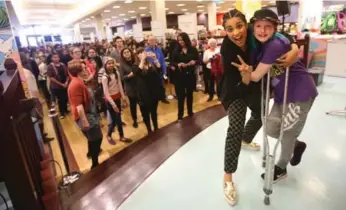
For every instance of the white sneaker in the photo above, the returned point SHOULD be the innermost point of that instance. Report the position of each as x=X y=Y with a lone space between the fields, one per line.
x=230 y=193
x=250 y=146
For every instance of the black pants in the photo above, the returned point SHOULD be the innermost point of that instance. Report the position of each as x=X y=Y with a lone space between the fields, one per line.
x=150 y=111
x=184 y=89
x=43 y=86
x=61 y=95
x=236 y=132
x=133 y=108
x=209 y=82
x=94 y=136
x=116 y=119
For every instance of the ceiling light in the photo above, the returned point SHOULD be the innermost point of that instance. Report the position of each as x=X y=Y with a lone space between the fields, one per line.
x=114 y=16
x=201 y=10
x=128 y=1
x=121 y=14
x=143 y=14
x=133 y=17
x=166 y=9
x=184 y=10
x=171 y=13
x=126 y=19
x=92 y=17
x=116 y=7
x=200 y=6
x=180 y=5
x=199 y=0
x=106 y=10
x=143 y=8
x=131 y=11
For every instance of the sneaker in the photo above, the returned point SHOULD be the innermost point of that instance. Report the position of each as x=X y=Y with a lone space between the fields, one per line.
x=299 y=149
x=230 y=193
x=279 y=174
x=251 y=146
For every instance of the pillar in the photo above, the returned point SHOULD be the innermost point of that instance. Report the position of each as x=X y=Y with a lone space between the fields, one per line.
x=211 y=15
x=101 y=33
x=139 y=19
x=109 y=33
x=248 y=7
x=158 y=12
x=77 y=33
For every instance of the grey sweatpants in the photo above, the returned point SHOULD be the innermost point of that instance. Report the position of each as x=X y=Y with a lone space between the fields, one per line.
x=294 y=121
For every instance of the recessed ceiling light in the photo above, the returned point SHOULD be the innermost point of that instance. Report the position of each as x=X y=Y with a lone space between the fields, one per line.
x=171 y=13
x=92 y=17
x=106 y=10
x=200 y=6
x=184 y=10
x=128 y=1
x=114 y=17
x=166 y=9
x=199 y=0
x=126 y=19
x=116 y=7
x=143 y=8
x=201 y=10
x=142 y=14
x=133 y=17
x=180 y=5
x=121 y=14
x=131 y=11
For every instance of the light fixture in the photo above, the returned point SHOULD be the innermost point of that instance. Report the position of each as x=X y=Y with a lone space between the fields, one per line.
x=142 y=15
x=126 y=19
x=180 y=5
x=142 y=7
x=128 y=1
x=108 y=19
x=92 y=17
x=131 y=11
x=121 y=14
x=199 y=0
x=171 y=13
x=200 y=6
x=166 y=9
x=133 y=17
x=201 y=10
x=114 y=17
x=184 y=10
x=106 y=10
x=116 y=7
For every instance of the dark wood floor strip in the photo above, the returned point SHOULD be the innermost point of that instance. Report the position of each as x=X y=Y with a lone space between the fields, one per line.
x=114 y=180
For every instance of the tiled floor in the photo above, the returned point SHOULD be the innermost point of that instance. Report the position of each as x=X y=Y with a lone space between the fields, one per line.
x=191 y=179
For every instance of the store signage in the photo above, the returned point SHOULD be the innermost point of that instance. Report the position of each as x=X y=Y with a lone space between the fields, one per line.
x=334 y=8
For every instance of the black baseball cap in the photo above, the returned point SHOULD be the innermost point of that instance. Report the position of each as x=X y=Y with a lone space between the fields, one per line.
x=265 y=14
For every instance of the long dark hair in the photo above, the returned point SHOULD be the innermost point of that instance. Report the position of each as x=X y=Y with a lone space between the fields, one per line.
x=185 y=37
x=108 y=73
x=123 y=59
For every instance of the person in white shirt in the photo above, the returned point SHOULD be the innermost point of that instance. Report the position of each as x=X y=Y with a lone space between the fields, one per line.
x=30 y=80
x=207 y=57
x=42 y=77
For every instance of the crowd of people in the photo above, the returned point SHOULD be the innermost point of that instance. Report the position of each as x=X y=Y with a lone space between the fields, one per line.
x=100 y=77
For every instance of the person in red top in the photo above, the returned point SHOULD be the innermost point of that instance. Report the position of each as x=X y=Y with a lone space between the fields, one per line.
x=83 y=109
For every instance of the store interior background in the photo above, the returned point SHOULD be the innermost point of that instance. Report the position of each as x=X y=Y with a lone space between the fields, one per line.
x=43 y=22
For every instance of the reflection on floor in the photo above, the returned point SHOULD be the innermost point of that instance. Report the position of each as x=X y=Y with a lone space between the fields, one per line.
x=77 y=142
x=192 y=177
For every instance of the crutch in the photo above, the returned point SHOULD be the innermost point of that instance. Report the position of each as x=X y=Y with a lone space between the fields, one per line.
x=269 y=159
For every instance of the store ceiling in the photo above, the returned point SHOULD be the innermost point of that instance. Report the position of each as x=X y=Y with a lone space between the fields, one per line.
x=66 y=12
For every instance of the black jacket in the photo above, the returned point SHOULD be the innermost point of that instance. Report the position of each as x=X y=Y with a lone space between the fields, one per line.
x=231 y=86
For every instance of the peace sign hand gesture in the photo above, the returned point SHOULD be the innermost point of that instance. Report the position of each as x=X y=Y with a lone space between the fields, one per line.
x=245 y=70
